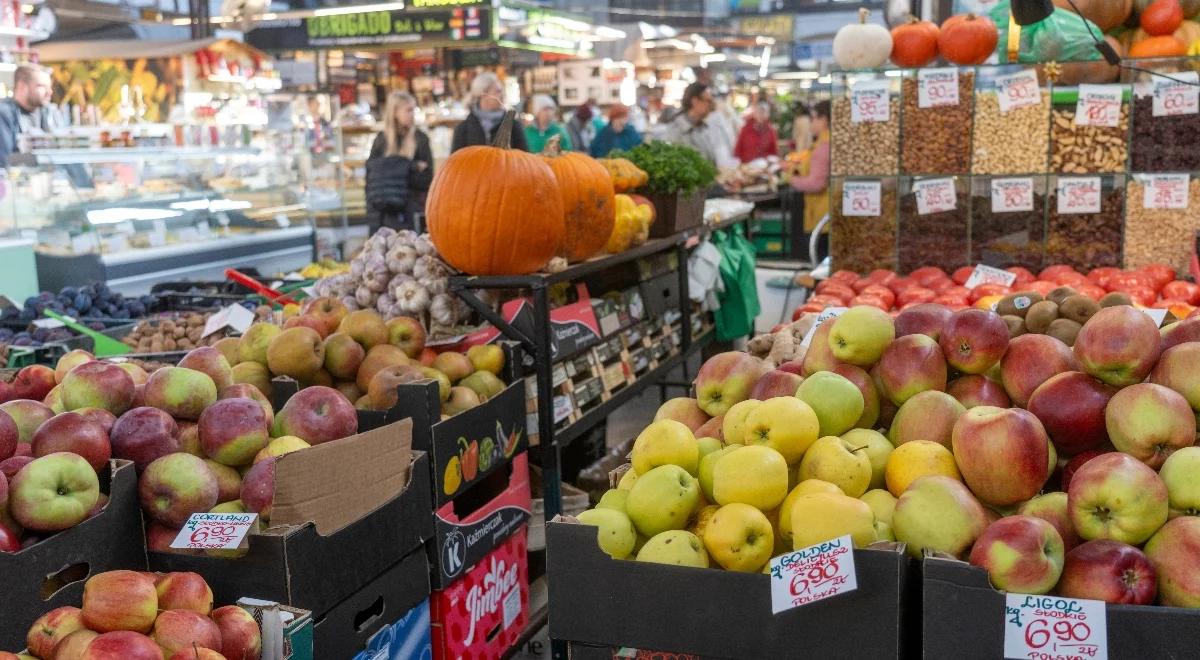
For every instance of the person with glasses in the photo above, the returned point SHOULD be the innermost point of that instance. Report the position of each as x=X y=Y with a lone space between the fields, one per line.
x=486 y=101
x=691 y=126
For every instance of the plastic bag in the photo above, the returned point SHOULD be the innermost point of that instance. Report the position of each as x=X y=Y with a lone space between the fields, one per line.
x=1062 y=37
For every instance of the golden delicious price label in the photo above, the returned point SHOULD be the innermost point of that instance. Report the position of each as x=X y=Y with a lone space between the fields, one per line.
x=814 y=573
x=1051 y=627
x=214 y=531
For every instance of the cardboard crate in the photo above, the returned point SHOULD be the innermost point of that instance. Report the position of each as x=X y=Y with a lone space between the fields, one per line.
x=597 y=600
x=344 y=512
x=963 y=617
x=407 y=637
x=482 y=615
x=661 y=295
x=51 y=573
x=353 y=624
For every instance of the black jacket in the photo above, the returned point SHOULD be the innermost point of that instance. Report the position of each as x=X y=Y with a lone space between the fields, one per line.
x=418 y=179
x=470 y=133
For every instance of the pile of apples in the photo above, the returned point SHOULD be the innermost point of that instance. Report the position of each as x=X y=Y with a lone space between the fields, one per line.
x=128 y=615
x=1058 y=470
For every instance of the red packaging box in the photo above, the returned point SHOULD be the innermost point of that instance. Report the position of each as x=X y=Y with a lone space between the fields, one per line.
x=483 y=614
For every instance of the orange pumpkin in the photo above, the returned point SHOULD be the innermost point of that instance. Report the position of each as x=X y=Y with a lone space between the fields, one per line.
x=1167 y=46
x=914 y=43
x=586 y=190
x=1107 y=14
x=967 y=39
x=495 y=210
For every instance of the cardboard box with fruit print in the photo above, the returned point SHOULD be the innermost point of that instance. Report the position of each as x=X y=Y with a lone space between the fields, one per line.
x=483 y=613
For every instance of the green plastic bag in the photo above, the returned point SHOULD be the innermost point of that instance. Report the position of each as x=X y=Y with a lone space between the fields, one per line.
x=1062 y=37
x=739 y=300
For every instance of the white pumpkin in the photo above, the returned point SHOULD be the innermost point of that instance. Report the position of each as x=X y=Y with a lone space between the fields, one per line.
x=862 y=45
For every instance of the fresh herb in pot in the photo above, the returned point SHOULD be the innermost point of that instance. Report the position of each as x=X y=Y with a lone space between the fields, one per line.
x=672 y=168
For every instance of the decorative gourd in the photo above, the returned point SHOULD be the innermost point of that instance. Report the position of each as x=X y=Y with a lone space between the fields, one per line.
x=633 y=221
x=967 y=39
x=1190 y=7
x=1158 y=47
x=1107 y=14
x=862 y=45
x=1161 y=18
x=625 y=175
x=586 y=190
x=914 y=43
x=647 y=213
x=495 y=210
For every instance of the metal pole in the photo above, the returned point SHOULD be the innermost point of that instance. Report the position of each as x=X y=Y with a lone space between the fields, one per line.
x=551 y=479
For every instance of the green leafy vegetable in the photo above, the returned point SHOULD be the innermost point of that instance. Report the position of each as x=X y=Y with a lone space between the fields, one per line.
x=672 y=168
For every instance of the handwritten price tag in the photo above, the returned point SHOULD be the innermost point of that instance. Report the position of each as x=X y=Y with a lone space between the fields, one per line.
x=1051 y=628
x=1180 y=96
x=825 y=315
x=1098 y=105
x=814 y=573
x=937 y=87
x=214 y=531
x=935 y=196
x=1079 y=195
x=234 y=317
x=1018 y=90
x=1012 y=195
x=861 y=198
x=1166 y=191
x=869 y=101
x=988 y=275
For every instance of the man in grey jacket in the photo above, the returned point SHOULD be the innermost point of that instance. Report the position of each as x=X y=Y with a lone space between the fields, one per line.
x=26 y=109
x=692 y=126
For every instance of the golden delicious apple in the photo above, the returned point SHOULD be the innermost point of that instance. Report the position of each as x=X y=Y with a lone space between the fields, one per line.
x=832 y=459
x=837 y=402
x=616 y=534
x=678 y=547
x=739 y=538
x=662 y=499
x=823 y=516
x=733 y=425
x=919 y=458
x=707 y=446
x=882 y=504
x=701 y=519
x=803 y=488
x=877 y=448
x=706 y=469
x=627 y=480
x=613 y=498
x=785 y=424
x=665 y=442
x=754 y=475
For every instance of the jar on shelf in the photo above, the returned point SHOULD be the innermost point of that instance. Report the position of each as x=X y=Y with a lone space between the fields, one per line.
x=1166 y=117
x=1162 y=217
x=934 y=226
x=1012 y=121
x=1085 y=221
x=865 y=124
x=936 y=120
x=1008 y=221
x=862 y=232
x=1089 y=129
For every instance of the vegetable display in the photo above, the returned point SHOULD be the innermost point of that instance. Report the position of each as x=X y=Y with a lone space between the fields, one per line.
x=671 y=168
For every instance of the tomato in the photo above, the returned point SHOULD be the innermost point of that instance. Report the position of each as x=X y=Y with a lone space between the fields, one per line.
x=924 y=276
x=843 y=293
x=873 y=301
x=901 y=283
x=939 y=284
x=826 y=300
x=807 y=308
x=914 y=294
x=882 y=292
x=882 y=276
x=1091 y=291
x=1143 y=296
x=960 y=291
x=860 y=284
x=1042 y=287
x=1180 y=290
x=1049 y=273
x=963 y=274
x=1130 y=280
x=1023 y=275
x=987 y=290
x=844 y=276
x=1166 y=303
x=1161 y=274
x=1102 y=275
x=953 y=302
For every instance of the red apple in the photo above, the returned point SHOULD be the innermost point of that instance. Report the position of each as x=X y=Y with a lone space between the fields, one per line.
x=51 y=628
x=1174 y=551
x=97 y=385
x=1187 y=330
x=819 y=357
x=1076 y=462
x=726 y=379
x=180 y=392
x=711 y=428
x=53 y=492
x=159 y=537
x=197 y=653
x=10 y=436
x=1110 y=571
x=974 y=390
x=184 y=591
x=69 y=361
x=925 y=319
x=407 y=334
x=28 y=414
x=175 y=486
x=310 y=322
x=792 y=367
x=1115 y=496
x=927 y=416
x=229 y=481
x=33 y=382
x=1071 y=407
x=973 y=340
x=1021 y=553
x=13 y=464
x=685 y=411
x=178 y=630
x=1003 y=454
x=1179 y=369
x=328 y=310
x=1052 y=507
x=1149 y=422
x=317 y=414
x=119 y=600
x=775 y=383
x=240 y=636
x=866 y=385
x=211 y=361
x=910 y=365
x=1030 y=361
x=1119 y=345
x=143 y=435
x=122 y=645
x=247 y=391
x=232 y=431
x=71 y=432
x=10 y=540
x=258 y=487
x=98 y=416
x=72 y=646
x=343 y=356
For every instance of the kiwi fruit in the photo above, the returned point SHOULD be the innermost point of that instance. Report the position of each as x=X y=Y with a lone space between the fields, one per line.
x=1078 y=308
x=1016 y=325
x=1116 y=299
x=1017 y=304
x=1060 y=294
x=1039 y=317
x=1064 y=330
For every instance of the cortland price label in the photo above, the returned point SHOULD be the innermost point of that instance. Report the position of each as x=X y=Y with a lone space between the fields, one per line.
x=1051 y=628
x=935 y=196
x=825 y=315
x=1166 y=191
x=1012 y=195
x=1018 y=90
x=937 y=87
x=988 y=275
x=869 y=101
x=214 y=531
x=1098 y=105
x=861 y=198
x=1079 y=195
x=815 y=573
x=1177 y=95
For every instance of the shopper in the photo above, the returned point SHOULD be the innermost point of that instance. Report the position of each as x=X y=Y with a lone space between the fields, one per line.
x=399 y=168
x=544 y=127
x=815 y=181
x=690 y=126
x=757 y=138
x=618 y=134
x=580 y=128
x=486 y=101
x=802 y=138
x=27 y=109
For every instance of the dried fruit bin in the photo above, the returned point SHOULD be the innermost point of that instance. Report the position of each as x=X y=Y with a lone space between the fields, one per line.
x=1002 y=237
x=869 y=146
x=1084 y=149
x=936 y=139
x=1012 y=121
x=1086 y=240
x=1163 y=138
x=1160 y=235
x=939 y=239
x=863 y=242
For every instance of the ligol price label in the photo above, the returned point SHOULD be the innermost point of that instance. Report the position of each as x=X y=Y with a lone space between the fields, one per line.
x=1166 y=191
x=1079 y=195
x=214 y=531
x=935 y=196
x=815 y=573
x=869 y=101
x=1052 y=628
x=988 y=275
x=1177 y=95
x=1012 y=195
x=1098 y=105
x=937 y=87
x=1018 y=90
x=861 y=198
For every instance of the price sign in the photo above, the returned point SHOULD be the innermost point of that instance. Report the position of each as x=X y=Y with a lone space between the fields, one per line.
x=825 y=315
x=869 y=101
x=1079 y=195
x=1011 y=195
x=988 y=275
x=937 y=87
x=814 y=573
x=1050 y=628
x=214 y=531
x=935 y=196
x=861 y=198
x=1156 y=315
x=1166 y=191
x=1178 y=95
x=1018 y=90
x=1098 y=105
x=234 y=317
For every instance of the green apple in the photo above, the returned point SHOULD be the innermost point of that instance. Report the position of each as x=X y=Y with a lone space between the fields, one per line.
x=785 y=424
x=739 y=537
x=938 y=513
x=707 y=464
x=707 y=446
x=627 y=480
x=860 y=335
x=662 y=499
x=1181 y=474
x=882 y=503
x=616 y=535
x=877 y=448
x=733 y=424
x=883 y=531
x=678 y=547
x=754 y=475
x=485 y=383
x=613 y=499
x=665 y=442
x=834 y=460
x=837 y=402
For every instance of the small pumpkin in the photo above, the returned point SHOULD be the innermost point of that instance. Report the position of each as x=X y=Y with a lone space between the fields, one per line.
x=1161 y=18
x=1167 y=46
x=968 y=39
x=1107 y=14
x=914 y=44
x=495 y=210
x=862 y=45
x=647 y=214
x=586 y=190
x=625 y=175
x=625 y=227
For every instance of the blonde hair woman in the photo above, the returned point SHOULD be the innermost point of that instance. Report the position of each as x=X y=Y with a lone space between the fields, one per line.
x=400 y=166
x=486 y=104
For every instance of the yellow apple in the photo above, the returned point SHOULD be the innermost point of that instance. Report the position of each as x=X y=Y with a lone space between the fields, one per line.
x=883 y=531
x=678 y=547
x=823 y=516
x=662 y=499
x=882 y=504
x=487 y=357
x=877 y=448
x=627 y=480
x=616 y=534
x=739 y=538
x=707 y=446
x=832 y=459
x=919 y=458
x=803 y=488
x=700 y=520
x=733 y=425
x=665 y=442
x=613 y=499
x=754 y=475
x=785 y=424
x=706 y=469
x=284 y=444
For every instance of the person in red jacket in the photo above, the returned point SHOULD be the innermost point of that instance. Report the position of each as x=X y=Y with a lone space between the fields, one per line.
x=757 y=138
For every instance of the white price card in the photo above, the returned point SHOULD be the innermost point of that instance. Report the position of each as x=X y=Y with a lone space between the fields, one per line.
x=1079 y=195
x=83 y=243
x=869 y=101
x=1177 y=95
x=1156 y=315
x=814 y=573
x=825 y=315
x=214 y=531
x=1098 y=105
x=1166 y=191
x=1018 y=90
x=935 y=196
x=234 y=317
x=562 y=407
x=1050 y=628
x=937 y=87
x=989 y=275
x=1011 y=195
x=861 y=198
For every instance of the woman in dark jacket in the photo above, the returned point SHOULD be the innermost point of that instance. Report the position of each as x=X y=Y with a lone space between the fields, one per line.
x=400 y=167
x=487 y=111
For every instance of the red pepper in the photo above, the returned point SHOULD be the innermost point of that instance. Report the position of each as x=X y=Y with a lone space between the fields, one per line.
x=469 y=454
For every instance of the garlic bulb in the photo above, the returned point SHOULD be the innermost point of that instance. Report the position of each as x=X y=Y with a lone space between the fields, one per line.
x=356 y=267
x=556 y=265
x=384 y=303
x=442 y=310
x=411 y=297
x=401 y=259
x=350 y=302
x=434 y=285
x=365 y=296
x=424 y=245
x=406 y=236
x=377 y=280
